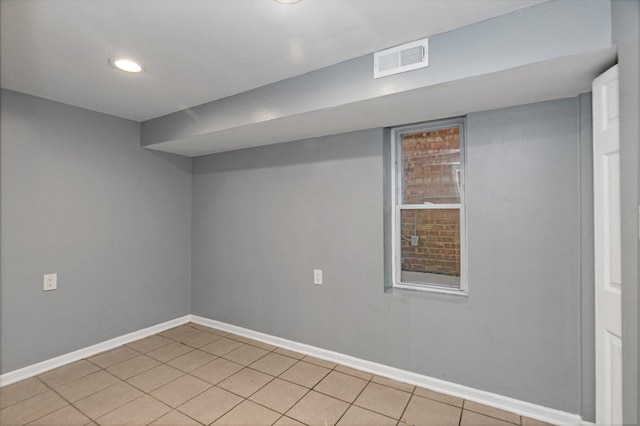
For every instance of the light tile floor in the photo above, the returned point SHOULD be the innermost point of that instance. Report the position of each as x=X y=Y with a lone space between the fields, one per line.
x=192 y=375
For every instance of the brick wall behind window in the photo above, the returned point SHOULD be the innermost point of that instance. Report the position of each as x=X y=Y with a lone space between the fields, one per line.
x=428 y=175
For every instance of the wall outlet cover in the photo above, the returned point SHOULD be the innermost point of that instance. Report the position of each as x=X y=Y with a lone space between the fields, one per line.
x=50 y=282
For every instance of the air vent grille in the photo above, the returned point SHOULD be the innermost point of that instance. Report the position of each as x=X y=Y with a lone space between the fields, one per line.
x=388 y=62
x=402 y=58
x=410 y=56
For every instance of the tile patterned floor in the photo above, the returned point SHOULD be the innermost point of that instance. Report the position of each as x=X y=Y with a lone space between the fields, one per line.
x=193 y=375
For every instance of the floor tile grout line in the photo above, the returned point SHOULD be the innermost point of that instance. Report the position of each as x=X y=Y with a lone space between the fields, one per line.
x=225 y=413
x=296 y=403
x=218 y=383
x=120 y=380
x=162 y=415
x=93 y=393
x=496 y=418
x=214 y=385
x=413 y=393
x=104 y=414
x=269 y=349
x=278 y=419
x=61 y=396
x=274 y=378
x=91 y=417
x=145 y=393
x=357 y=396
x=299 y=399
x=110 y=350
x=195 y=396
x=406 y=405
x=52 y=412
x=246 y=344
x=274 y=350
x=350 y=403
x=437 y=400
x=287 y=410
x=150 y=350
x=256 y=391
x=493 y=417
x=377 y=412
x=29 y=397
x=175 y=409
x=188 y=400
x=171 y=408
x=154 y=389
x=120 y=406
x=298 y=384
x=39 y=376
x=122 y=362
x=289 y=381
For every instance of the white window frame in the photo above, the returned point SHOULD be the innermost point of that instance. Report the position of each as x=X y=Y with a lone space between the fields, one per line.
x=396 y=190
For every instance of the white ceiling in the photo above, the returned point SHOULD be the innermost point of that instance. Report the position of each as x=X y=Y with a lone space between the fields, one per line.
x=197 y=51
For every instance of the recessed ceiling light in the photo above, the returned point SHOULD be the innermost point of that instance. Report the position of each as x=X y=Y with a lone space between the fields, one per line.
x=287 y=1
x=127 y=65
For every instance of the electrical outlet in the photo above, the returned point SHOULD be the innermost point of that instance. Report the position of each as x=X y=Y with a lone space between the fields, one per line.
x=414 y=240
x=317 y=276
x=50 y=282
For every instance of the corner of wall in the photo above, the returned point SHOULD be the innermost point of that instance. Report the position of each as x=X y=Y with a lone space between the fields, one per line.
x=587 y=279
x=386 y=181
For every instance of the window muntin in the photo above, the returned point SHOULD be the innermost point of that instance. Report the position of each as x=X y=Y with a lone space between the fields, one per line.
x=428 y=215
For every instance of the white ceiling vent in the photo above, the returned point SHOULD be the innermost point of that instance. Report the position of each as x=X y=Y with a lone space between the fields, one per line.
x=407 y=57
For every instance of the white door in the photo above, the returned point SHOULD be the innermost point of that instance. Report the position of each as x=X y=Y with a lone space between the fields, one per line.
x=606 y=182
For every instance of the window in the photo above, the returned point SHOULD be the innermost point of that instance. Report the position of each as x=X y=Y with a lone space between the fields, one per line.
x=428 y=215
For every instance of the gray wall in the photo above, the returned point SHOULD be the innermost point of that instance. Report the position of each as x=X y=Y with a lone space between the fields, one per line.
x=626 y=33
x=264 y=218
x=80 y=198
x=549 y=31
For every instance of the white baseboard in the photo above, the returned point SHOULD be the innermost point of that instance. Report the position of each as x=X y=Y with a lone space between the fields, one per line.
x=59 y=361
x=522 y=408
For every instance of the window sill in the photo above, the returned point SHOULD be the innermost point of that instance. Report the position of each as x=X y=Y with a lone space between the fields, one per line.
x=428 y=295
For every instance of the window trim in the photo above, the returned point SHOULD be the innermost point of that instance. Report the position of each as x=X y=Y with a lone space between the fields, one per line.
x=396 y=190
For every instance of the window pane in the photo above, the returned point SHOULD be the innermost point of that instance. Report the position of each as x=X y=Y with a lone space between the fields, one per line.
x=431 y=167
x=430 y=246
